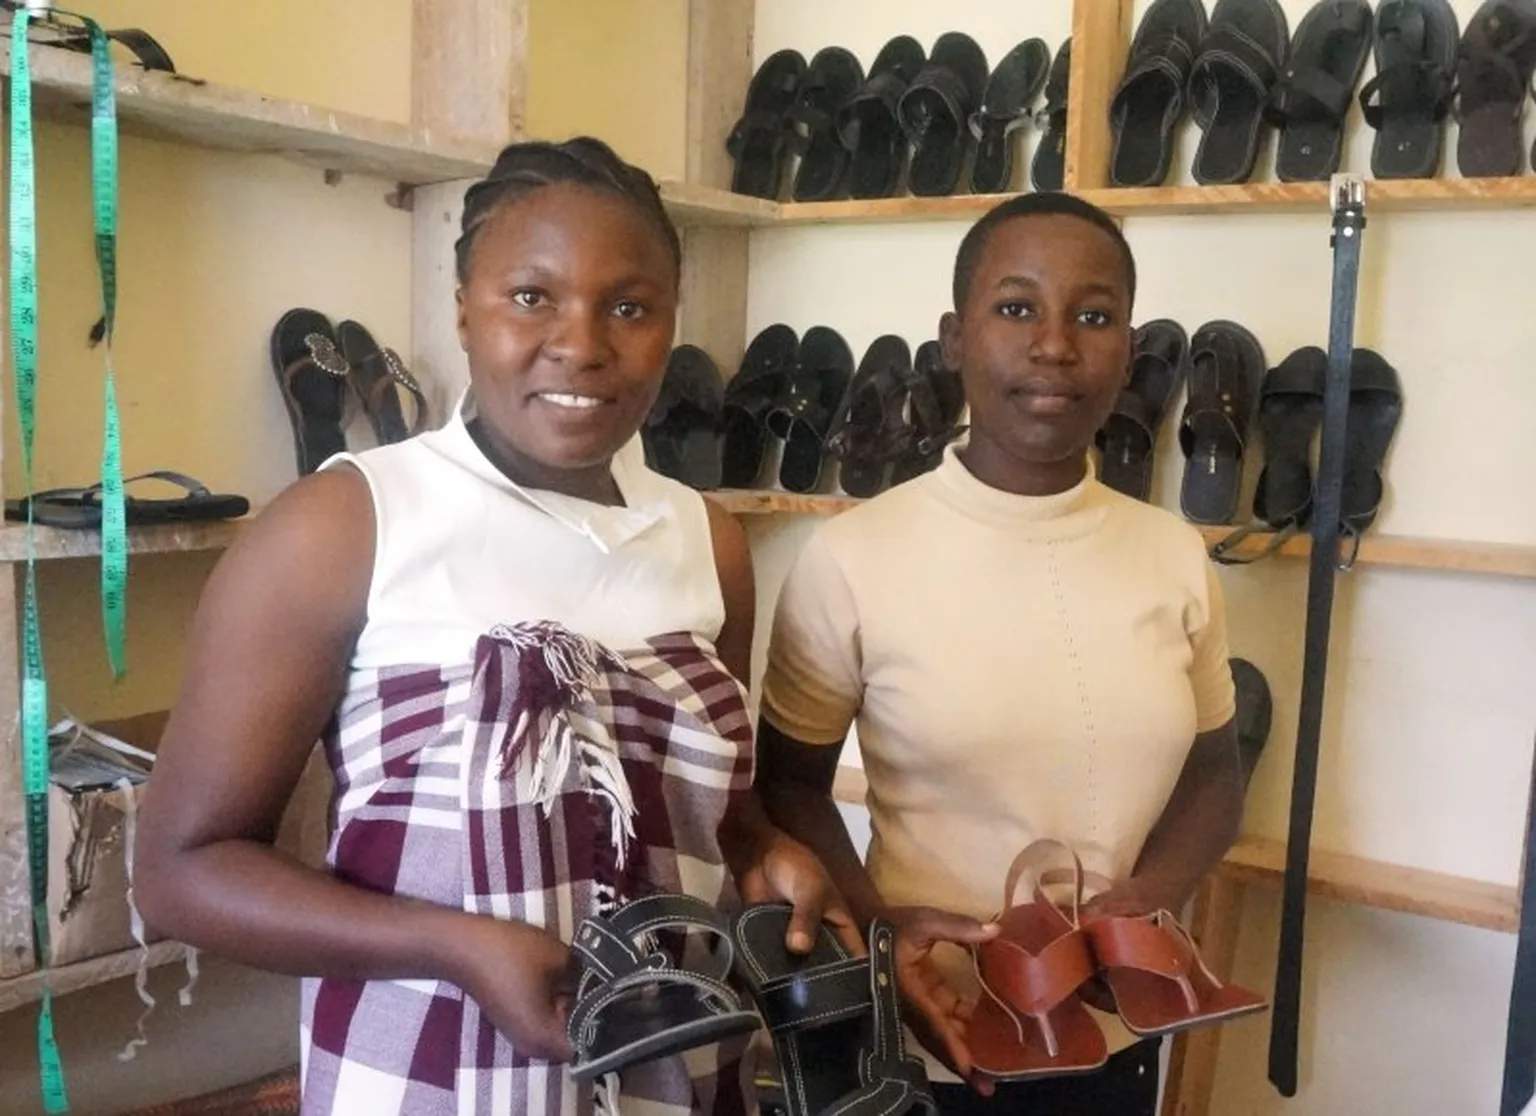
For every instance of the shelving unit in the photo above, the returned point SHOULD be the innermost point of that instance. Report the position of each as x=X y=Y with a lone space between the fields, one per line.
x=53 y=543
x=85 y=974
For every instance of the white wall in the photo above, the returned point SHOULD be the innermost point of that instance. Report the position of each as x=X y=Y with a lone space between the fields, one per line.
x=1428 y=741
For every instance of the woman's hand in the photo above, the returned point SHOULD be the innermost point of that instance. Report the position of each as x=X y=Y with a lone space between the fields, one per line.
x=939 y=1014
x=523 y=978
x=784 y=870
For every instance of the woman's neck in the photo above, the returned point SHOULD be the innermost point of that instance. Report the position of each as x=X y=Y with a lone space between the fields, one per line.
x=997 y=468
x=595 y=483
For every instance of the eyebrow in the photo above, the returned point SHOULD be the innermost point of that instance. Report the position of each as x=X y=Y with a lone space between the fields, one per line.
x=1107 y=289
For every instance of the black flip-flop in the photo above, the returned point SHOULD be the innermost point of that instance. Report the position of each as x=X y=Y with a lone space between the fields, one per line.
x=831 y=81
x=834 y=1020
x=379 y=377
x=637 y=1002
x=750 y=396
x=147 y=52
x=1230 y=86
x=937 y=397
x=1375 y=407
x=1255 y=711
x=1408 y=99
x=1128 y=440
x=804 y=417
x=1290 y=412
x=759 y=138
x=1225 y=366
x=1047 y=172
x=936 y=111
x=1493 y=72
x=1005 y=108
x=1328 y=54
x=312 y=375
x=80 y=508
x=682 y=435
x=1150 y=99
x=869 y=125
x=871 y=432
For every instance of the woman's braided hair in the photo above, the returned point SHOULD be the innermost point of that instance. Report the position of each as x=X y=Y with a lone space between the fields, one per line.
x=523 y=168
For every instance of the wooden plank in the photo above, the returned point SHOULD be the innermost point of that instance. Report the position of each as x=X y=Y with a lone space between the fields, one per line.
x=469 y=75
x=742 y=502
x=1403 y=552
x=54 y=543
x=693 y=205
x=1388 y=887
x=1100 y=32
x=1192 y=1062
x=1396 y=195
x=719 y=69
x=86 y=974
x=712 y=313
x=185 y=110
x=960 y=207
x=15 y=879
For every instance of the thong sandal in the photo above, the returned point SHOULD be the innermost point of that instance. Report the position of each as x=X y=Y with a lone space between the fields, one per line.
x=871 y=431
x=1004 y=110
x=936 y=111
x=312 y=375
x=1493 y=72
x=1160 y=355
x=1047 y=171
x=831 y=81
x=1290 y=411
x=379 y=377
x=1230 y=86
x=834 y=1019
x=1226 y=365
x=869 y=124
x=1150 y=99
x=1030 y=1021
x=1328 y=56
x=759 y=139
x=750 y=397
x=636 y=1001
x=681 y=434
x=1408 y=99
x=1375 y=406
x=804 y=417
x=80 y=508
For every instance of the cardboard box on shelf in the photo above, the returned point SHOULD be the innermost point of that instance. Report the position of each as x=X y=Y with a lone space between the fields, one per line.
x=96 y=782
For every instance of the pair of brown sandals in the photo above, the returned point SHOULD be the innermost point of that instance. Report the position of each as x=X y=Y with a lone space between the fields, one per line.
x=316 y=364
x=1048 y=962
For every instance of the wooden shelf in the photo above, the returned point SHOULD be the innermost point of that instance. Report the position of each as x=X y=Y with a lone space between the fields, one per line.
x=743 y=502
x=86 y=974
x=1387 y=887
x=1348 y=879
x=704 y=205
x=54 y=543
x=1402 y=552
x=186 y=110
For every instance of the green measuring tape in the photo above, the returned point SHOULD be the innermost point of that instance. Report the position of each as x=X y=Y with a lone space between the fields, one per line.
x=114 y=543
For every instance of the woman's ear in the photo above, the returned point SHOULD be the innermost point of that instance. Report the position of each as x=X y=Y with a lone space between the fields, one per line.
x=950 y=344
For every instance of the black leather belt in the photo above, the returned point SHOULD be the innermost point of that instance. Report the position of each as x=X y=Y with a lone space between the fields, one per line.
x=1520 y=1043
x=1348 y=229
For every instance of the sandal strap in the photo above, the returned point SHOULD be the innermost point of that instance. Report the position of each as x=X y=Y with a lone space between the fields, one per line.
x=758 y=120
x=398 y=376
x=1487 y=77
x=816 y=997
x=1232 y=50
x=891 y=1080
x=1223 y=551
x=618 y=945
x=1310 y=94
x=942 y=81
x=1168 y=55
x=1406 y=83
x=582 y=1027
x=322 y=353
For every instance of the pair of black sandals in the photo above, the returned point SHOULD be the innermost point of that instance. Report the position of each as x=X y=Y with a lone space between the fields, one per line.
x=1228 y=393
x=914 y=119
x=662 y=975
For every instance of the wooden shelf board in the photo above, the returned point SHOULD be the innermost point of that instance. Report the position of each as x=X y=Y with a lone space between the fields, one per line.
x=185 y=110
x=1348 y=879
x=960 y=207
x=1388 y=887
x=1404 y=552
x=742 y=502
x=54 y=543
x=692 y=205
x=85 y=974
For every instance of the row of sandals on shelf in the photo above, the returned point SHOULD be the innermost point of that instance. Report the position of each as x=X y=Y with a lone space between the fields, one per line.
x=802 y=417
x=916 y=120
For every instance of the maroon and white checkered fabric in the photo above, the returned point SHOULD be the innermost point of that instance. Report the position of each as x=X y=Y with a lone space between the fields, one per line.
x=546 y=781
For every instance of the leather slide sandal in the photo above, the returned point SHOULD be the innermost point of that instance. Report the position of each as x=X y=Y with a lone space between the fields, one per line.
x=1328 y=54
x=936 y=111
x=80 y=508
x=1375 y=407
x=871 y=431
x=832 y=80
x=834 y=1019
x=937 y=397
x=759 y=139
x=1150 y=100
x=380 y=378
x=1408 y=99
x=1226 y=365
x=1128 y=439
x=1047 y=172
x=1231 y=84
x=1493 y=72
x=636 y=1002
x=681 y=434
x=869 y=125
x=146 y=51
x=1160 y=983
x=804 y=417
x=1290 y=412
x=1029 y=1021
x=750 y=396
x=312 y=375
x=1005 y=108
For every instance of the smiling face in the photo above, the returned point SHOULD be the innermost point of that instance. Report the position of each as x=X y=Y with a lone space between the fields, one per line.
x=566 y=313
x=1043 y=345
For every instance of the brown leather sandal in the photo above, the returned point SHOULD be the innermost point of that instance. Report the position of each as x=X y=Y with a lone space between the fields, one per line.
x=381 y=380
x=312 y=375
x=1030 y=1021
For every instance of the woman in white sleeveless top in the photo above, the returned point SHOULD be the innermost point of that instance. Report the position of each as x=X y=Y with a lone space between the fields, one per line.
x=391 y=604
